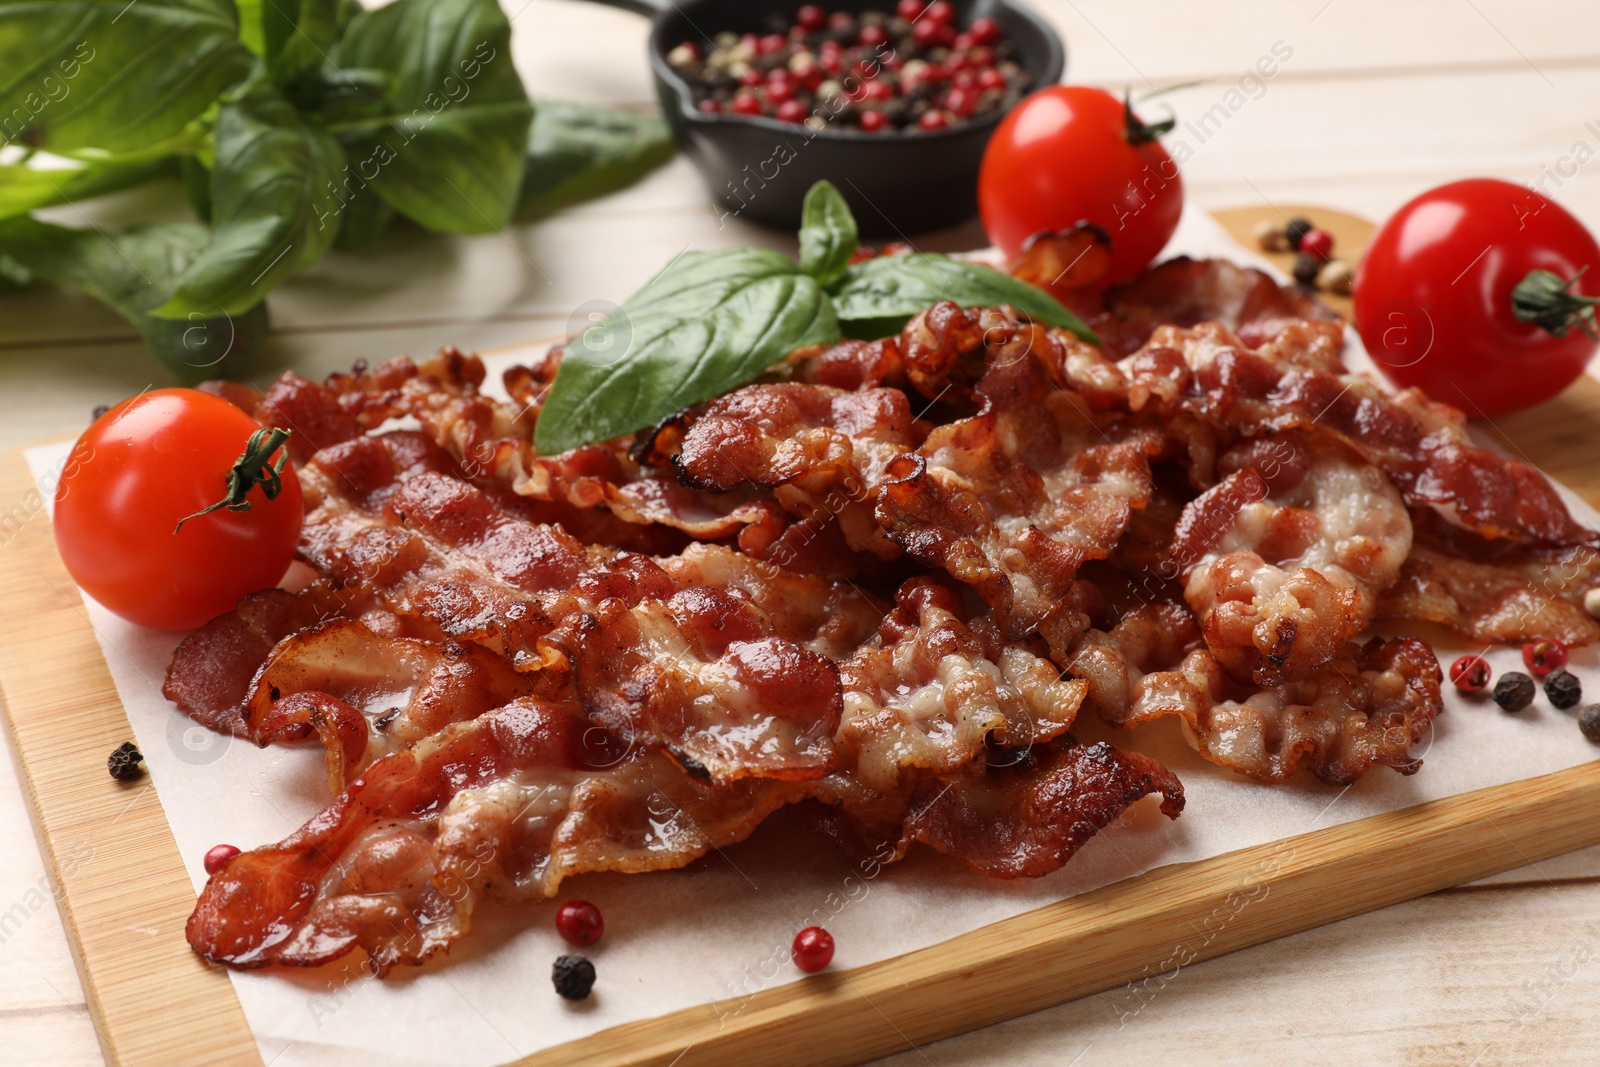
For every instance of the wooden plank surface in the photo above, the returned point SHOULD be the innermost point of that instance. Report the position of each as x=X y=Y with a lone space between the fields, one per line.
x=117 y=876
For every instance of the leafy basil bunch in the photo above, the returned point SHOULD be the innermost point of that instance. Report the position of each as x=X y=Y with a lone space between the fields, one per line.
x=295 y=126
x=712 y=321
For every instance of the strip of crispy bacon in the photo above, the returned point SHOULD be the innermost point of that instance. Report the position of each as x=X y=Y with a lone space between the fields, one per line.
x=1187 y=292
x=1492 y=592
x=508 y=804
x=1367 y=707
x=365 y=696
x=713 y=677
x=1013 y=500
x=1021 y=818
x=934 y=688
x=1296 y=381
x=493 y=443
x=1285 y=558
x=820 y=449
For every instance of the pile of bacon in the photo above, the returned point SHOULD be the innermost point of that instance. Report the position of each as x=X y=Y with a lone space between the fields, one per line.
x=874 y=589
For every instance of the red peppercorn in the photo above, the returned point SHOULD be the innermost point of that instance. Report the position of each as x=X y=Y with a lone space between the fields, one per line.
x=750 y=42
x=811 y=17
x=812 y=949
x=947 y=35
x=984 y=30
x=877 y=90
x=1470 y=674
x=1318 y=243
x=932 y=119
x=579 y=923
x=780 y=91
x=752 y=77
x=961 y=42
x=960 y=101
x=841 y=21
x=691 y=48
x=806 y=74
x=941 y=11
x=709 y=106
x=981 y=56
x=1544 y=655
x=991 y=79
x=963 y=79
x=873 y=36
x=219 y=855
x=772 y=42
x=957 y=61
x=792 y=111
x=909 y=9
x=873 y=121
x=746 y=104
x=925 y=31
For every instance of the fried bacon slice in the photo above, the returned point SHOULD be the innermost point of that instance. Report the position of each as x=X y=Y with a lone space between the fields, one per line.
x=365 y=696
x=1186 y=292
x=1492 y=592
x=934 y=688
x=1296 y=381
x=492 y=442
x=1013 y=500
x=508 y=804
x=1285 y=558
x=1366 y=707
x=1021 y=817
x=821 y=450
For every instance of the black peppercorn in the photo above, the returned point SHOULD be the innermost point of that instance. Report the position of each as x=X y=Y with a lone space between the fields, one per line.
x=1514 y=691
x=1295 y=229
x=124 y=762
x=1306 y=268
x=1563 y=688
x=1589 y=722
x=100 y=409
x=573 y=977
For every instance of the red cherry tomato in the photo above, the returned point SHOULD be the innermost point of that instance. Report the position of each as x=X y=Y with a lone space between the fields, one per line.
x=1067 y=155
x=1433 y=296
x=143 y=466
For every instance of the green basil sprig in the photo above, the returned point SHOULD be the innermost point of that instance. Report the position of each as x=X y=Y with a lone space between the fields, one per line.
x=131 y=271
x=712 y=321
x=294 y=126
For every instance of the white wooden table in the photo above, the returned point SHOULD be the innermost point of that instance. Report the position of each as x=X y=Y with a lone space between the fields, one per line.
x=1379 y=100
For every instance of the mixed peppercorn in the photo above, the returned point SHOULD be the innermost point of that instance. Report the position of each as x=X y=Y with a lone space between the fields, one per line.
x=913 y=69
x=1314 y=264
x=123 y=763
x=1545 y=658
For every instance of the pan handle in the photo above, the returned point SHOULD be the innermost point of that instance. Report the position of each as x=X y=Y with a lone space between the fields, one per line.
x=647 y=8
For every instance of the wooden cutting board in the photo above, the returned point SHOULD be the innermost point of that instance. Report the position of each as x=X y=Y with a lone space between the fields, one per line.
x=124 y=894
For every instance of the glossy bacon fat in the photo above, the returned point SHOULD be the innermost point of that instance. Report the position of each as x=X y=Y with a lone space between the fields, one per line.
x=878 y=586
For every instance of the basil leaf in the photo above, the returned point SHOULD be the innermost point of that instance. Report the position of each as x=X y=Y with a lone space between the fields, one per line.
x=24 y=189
x=891 y=289
x=828 y=234
x=452 y=134
x=296 y=37
x=112 y=75
x=709 y=322
x=577 y=152
x=132 y=271
x=366 y=215
x=274 y=208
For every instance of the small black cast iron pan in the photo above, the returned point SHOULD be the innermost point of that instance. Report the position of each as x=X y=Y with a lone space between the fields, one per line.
x=759 y=169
